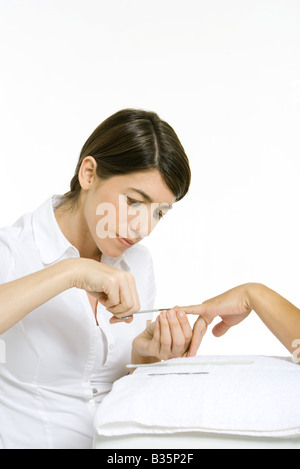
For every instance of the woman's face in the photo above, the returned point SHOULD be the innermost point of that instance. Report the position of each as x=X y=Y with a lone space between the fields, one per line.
x=122 y=210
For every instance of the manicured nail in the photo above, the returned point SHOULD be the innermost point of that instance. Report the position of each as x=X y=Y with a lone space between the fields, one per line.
x=171 y=314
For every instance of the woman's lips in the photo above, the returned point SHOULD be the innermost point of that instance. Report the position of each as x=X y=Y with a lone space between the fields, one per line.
x=126 y=242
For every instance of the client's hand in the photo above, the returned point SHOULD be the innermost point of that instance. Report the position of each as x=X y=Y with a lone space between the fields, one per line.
x=168 y=337
x=232 y=307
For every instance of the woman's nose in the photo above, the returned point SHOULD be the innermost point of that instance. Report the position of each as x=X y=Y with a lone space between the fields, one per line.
x=139 y=228
x=143 y=224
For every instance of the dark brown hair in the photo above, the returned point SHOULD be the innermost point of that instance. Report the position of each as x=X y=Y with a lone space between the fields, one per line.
x=133 y=140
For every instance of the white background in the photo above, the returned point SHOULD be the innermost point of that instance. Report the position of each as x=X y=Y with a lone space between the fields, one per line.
x=225 y=74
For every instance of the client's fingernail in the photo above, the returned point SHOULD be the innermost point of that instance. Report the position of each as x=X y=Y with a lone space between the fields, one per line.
x=171 y=314
x=164 y=315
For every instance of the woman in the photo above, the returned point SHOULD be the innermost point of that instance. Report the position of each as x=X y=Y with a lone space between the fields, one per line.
x=72 y=269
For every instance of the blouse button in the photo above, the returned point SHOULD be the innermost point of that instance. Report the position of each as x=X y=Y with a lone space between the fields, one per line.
x=111 y=347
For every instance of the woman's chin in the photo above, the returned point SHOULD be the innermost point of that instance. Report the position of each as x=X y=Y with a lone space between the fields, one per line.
x=111 y=247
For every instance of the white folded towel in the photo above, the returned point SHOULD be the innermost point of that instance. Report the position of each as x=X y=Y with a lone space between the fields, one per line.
x=245 y=395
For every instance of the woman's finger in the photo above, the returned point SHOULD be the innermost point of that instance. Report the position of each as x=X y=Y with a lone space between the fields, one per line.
x=128 y=298
x=110 y=296
x=134 y=294
x=114 y=320
x=125 y=300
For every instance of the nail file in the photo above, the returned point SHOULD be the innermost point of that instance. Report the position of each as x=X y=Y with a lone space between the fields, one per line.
x=144 y=311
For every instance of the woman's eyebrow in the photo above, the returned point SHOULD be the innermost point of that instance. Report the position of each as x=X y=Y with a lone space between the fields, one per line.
x=143 y=194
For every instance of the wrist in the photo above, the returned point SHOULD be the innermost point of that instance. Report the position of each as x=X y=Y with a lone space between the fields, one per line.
x=137 y=359
x=141 y=356
x=252 y=292
x=71 y=271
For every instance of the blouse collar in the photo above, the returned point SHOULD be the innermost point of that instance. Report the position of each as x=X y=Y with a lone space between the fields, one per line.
x=51 y=242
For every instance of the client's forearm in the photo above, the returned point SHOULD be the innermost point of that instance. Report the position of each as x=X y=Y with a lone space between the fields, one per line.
x=279 y=315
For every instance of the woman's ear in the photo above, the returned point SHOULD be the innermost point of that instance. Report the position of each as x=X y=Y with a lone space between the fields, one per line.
x=87 y=172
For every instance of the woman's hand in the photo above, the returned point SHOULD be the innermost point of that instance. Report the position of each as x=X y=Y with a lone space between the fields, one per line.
x=232 y=307
x=167 y=337
x=114 y=288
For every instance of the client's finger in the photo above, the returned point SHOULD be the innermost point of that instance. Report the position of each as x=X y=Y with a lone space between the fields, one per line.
x=186 y=328
x=220 y=329
x=178 y=339
x=165 y=336
x=193 y=309
x=199 y=330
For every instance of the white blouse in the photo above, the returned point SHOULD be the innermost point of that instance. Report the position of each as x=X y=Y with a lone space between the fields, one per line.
x=58 y=363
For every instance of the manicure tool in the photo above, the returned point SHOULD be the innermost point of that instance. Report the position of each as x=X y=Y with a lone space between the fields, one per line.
x=144 y=311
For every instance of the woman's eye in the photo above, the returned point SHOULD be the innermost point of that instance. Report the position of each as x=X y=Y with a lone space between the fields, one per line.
x=133 y=202
x=159 y=214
